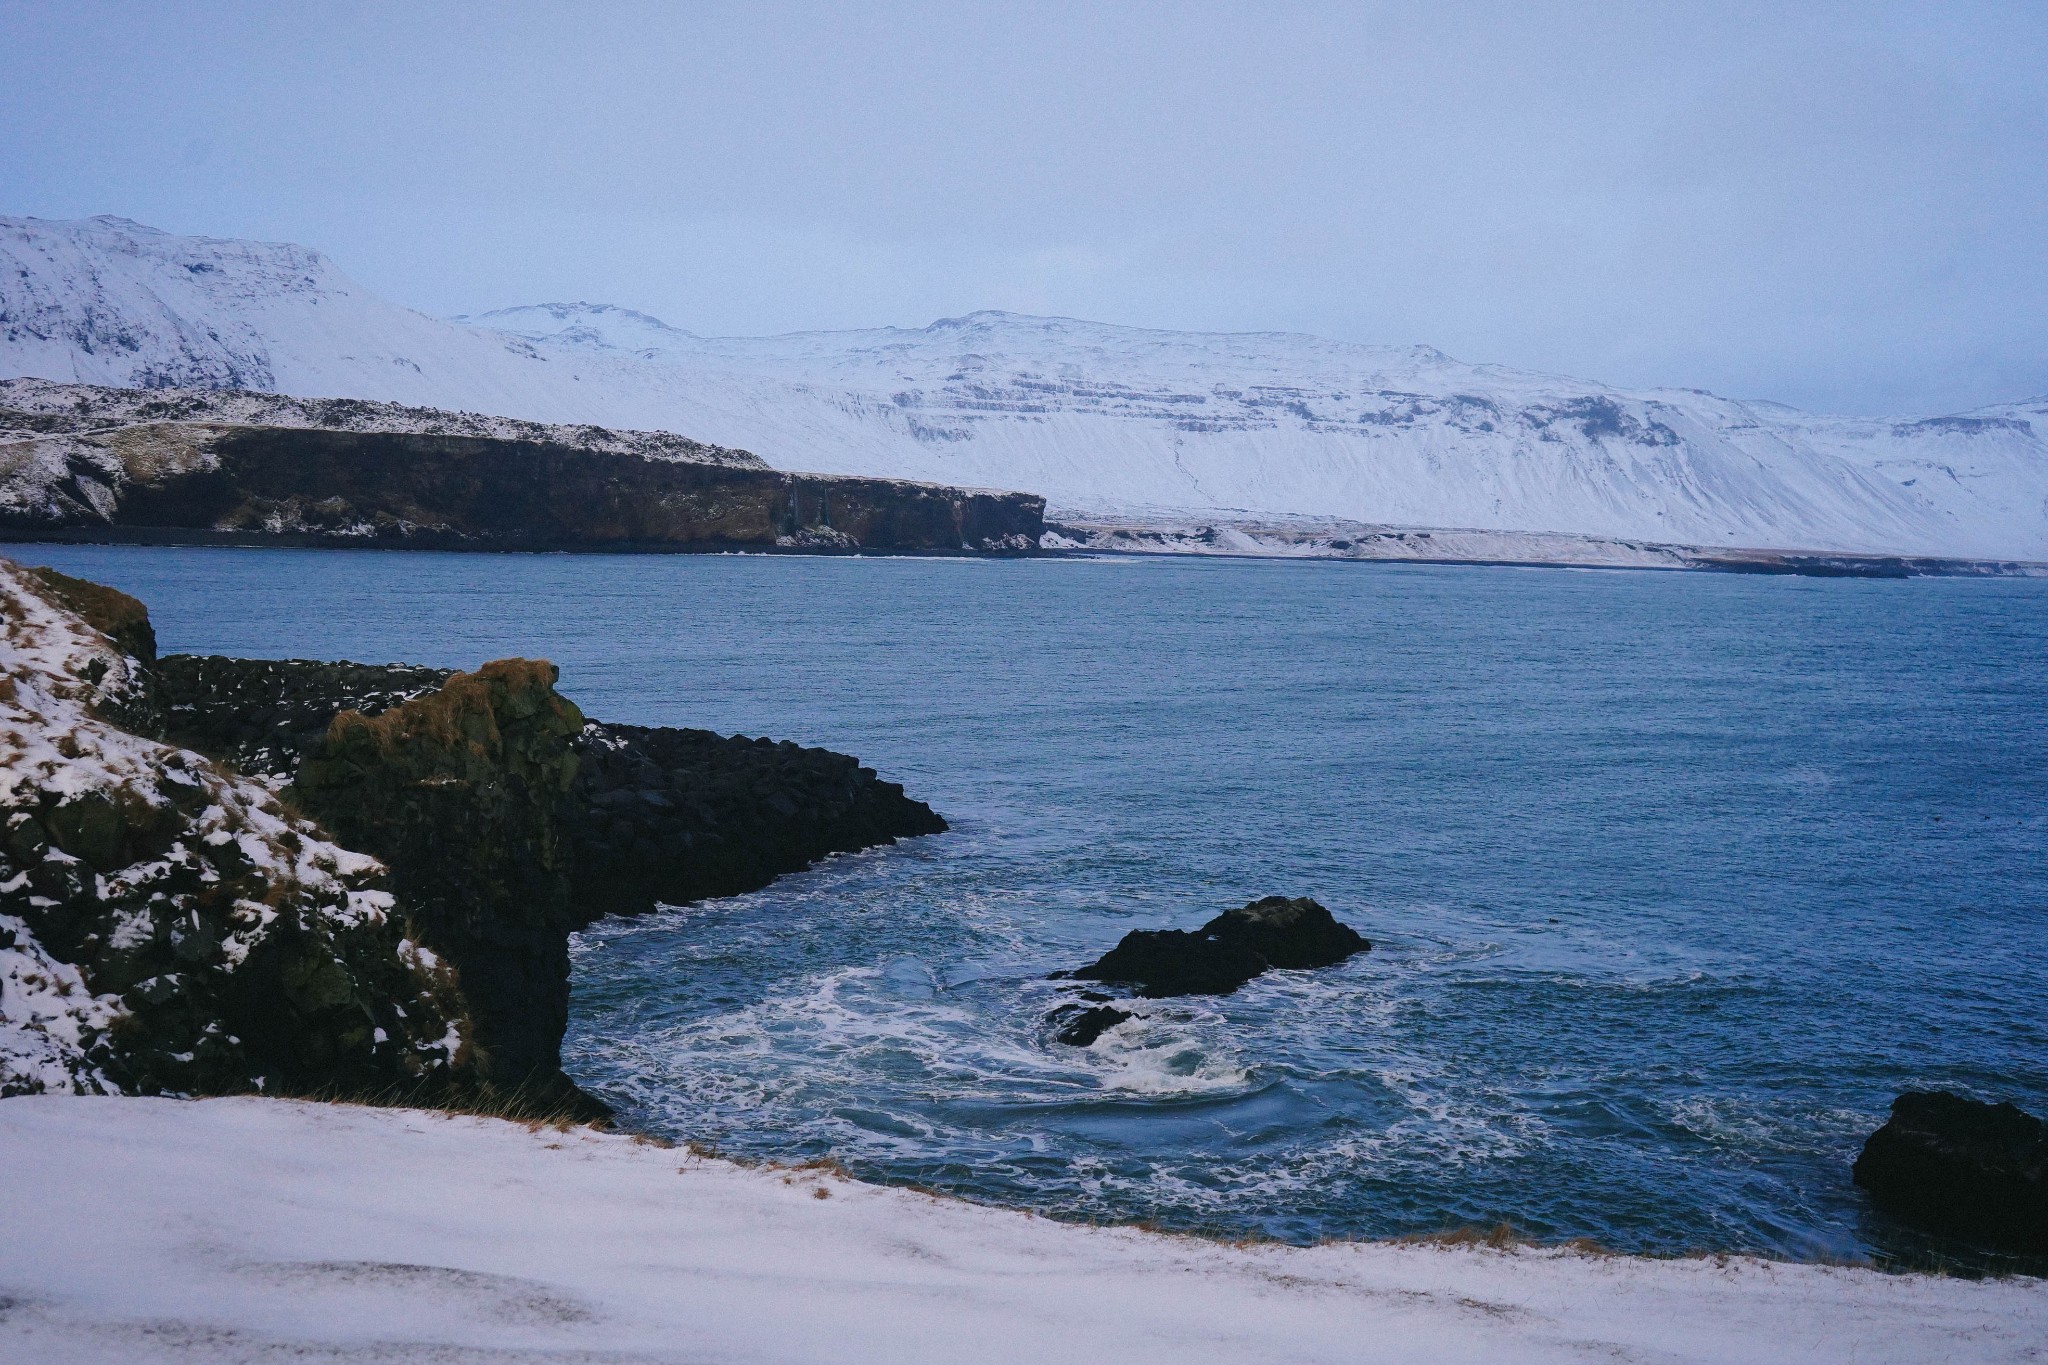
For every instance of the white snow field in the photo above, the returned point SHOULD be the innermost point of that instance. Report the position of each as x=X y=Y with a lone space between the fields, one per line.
x=141 y=1230
x=1099 y=419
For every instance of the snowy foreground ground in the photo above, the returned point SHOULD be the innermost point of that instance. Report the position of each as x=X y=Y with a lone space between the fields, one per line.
x=247 y=1230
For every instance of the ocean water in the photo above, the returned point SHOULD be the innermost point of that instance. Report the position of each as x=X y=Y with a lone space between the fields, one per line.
x=1673 y=880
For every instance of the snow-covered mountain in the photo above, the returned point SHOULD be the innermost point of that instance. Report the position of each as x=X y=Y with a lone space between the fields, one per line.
x=1098 y=418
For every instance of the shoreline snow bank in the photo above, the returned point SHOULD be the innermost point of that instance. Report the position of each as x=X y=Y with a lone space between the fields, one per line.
x=247 y=1229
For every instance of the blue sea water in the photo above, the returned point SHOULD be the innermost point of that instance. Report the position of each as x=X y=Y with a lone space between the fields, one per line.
x=1673 y=879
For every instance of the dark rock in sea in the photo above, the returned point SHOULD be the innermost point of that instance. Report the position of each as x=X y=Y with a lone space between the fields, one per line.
x=1962 y=1168
x=670 y=816
x=1163 y=962
x=1294 y=933
x=1227 y=951
x=1080 y=1026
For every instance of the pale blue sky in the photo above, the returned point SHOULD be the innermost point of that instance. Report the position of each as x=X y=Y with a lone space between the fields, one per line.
x=1838 y=206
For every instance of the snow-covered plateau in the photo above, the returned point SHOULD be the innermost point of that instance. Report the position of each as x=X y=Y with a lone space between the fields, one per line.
x=144 y=1230
x=1171 y=428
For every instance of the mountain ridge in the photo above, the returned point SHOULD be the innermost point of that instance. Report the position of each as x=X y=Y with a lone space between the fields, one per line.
x=1099 y=418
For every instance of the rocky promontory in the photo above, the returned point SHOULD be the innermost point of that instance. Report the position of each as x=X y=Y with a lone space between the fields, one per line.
x=189 y=467
x=223 y=874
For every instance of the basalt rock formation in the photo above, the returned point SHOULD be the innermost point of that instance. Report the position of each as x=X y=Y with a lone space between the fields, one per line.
x=166 y=925
x=508 y=820
x=460 y=792
x=164 y=471
x=672 y=816
x=1216 y=959
x=1962 y=1168
x=467 y=823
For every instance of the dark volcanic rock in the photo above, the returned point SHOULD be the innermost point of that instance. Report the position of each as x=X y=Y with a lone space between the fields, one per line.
x=265 y=715
x=1288 y=933
x=1079 y=1025
x=1163 y=962
x=1229 y=950
x=1963 y=1168
x=1225 y=953
x=461 y=793
x=672 y=816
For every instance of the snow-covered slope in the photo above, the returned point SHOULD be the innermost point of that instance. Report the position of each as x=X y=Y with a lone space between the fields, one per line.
x=265 y=1230
x=1097 y=418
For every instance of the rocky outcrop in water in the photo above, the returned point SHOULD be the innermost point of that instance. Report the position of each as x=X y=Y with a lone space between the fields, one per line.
x=191 y=930
x=1289 y=933
x=192 y=475
x=1216 y=959
x=1962 y=1168
x=1228 y=951
x=673 y=816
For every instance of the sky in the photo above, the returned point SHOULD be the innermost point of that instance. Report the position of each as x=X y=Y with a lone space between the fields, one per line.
x=1841 y=207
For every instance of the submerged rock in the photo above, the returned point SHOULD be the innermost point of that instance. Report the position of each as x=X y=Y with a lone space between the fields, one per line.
x=1963 y=1168
x=1081 y=1025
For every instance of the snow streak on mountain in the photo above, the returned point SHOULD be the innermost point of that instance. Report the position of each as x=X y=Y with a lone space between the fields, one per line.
x=1098 y=418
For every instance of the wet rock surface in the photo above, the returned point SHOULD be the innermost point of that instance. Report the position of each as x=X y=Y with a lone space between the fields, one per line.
x=1216 y=959
x=1228 y=951
x=1962 y=1168
x=1081 y=1025
x=1169 y=962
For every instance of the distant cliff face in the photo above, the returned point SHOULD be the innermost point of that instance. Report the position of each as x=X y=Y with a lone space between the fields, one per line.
x=210 y=481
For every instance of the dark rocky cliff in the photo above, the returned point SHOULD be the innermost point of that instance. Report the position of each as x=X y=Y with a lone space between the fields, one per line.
x=187 y=482
x=166 y=924
x=499 y=820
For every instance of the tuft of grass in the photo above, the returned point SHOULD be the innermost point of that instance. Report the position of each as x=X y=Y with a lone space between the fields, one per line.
x=534 y=1107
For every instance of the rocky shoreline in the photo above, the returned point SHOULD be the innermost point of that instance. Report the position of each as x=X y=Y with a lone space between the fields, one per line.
x=223 y=875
